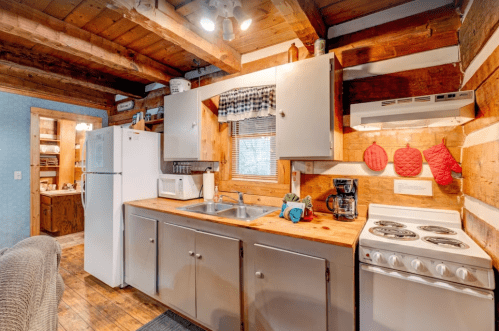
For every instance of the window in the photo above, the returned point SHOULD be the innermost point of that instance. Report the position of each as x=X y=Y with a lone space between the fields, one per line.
x=254 y=149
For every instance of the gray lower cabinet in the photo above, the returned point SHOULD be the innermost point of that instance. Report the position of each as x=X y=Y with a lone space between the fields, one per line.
x=199 y=274
x=290 y=290
x=141 y=253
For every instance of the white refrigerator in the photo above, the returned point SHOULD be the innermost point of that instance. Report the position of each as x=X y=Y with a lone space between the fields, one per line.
x=121 y=165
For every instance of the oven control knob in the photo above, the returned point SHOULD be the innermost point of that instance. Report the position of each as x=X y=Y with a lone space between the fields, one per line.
x=464 y=274
x=377 y=257
x=418 y=265
x=443 y=270
x=394 y=261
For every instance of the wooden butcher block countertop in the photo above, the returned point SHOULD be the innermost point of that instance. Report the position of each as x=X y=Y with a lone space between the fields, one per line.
x=59 y=193
x=322 y=229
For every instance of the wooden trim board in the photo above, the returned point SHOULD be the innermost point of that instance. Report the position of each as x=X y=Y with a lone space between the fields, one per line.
x=36 y=113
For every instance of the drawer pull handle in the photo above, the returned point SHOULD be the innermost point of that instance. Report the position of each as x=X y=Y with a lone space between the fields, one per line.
x=191 y=253
x=259 y=274
x=151 y=240
x=198 y=256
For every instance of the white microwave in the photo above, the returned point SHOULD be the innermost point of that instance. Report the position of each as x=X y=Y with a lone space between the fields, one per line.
x=180 y=187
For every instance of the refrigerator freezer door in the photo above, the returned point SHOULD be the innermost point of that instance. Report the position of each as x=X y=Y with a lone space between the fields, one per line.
x=141 y=164
x=103 y=228
x=104 y=150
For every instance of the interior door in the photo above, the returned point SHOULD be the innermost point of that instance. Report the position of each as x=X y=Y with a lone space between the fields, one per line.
x=218 y=285
x=141 y=253
x=182 y=126
x=290 y=290
x=304 y=105
x=176 y=273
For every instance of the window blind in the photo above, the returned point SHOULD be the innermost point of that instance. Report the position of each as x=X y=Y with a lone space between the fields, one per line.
x=254 y=149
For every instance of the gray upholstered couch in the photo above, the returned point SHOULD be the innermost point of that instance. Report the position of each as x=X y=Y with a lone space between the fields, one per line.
x=30 y=285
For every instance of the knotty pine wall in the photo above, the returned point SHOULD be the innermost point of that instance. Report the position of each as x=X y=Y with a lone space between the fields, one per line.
x=479 y=35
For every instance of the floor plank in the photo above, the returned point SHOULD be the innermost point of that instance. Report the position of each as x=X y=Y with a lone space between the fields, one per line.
x=89 y=304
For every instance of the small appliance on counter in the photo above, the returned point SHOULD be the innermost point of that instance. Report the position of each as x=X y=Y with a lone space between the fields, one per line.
x=180 y=187
x=345 y=201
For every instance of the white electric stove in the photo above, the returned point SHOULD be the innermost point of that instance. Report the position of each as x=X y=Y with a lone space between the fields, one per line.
x=420 y=271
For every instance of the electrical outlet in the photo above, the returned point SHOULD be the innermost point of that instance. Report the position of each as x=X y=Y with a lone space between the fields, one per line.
x=18 y=175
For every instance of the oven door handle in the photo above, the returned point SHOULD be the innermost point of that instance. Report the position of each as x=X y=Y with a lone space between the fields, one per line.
x=483 y=294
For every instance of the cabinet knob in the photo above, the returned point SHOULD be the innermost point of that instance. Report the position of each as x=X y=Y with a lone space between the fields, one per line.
x=259 y=274
x=151 y=240
x=282 y=112
x=193 y=124
x=191 y=253
x=198 y=256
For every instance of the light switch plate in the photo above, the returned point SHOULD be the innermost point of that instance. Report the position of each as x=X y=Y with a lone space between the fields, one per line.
x=18 y=175
x=413 y=187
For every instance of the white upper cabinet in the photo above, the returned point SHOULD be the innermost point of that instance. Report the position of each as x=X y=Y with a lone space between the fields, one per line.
x=182 y=126
x=308 y=101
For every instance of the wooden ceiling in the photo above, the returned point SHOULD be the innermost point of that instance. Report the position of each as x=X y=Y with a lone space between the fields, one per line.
x=109 y=46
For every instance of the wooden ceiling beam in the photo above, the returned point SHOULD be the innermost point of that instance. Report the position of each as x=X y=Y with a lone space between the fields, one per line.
x=305 y=19
x=15 y=80
x=21 y=21
x=55 y=68
x=171 y=26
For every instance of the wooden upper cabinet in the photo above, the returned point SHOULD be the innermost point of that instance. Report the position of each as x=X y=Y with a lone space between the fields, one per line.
x=191 y=130
x=309 y=109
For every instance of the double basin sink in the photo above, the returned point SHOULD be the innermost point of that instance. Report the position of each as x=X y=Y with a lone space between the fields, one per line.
x=241 y=212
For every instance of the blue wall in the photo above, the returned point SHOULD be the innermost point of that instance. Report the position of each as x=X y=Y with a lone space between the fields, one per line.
x=15 y=156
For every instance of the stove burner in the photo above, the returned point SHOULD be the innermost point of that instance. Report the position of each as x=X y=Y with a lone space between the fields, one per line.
x=436 y=229
x=393 y=233
x=446 y=242
x=390 y=224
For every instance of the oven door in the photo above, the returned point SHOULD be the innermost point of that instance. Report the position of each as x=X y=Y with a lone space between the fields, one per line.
x=393 y=300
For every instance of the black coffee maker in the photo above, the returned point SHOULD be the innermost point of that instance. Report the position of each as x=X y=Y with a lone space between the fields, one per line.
x=344 y=203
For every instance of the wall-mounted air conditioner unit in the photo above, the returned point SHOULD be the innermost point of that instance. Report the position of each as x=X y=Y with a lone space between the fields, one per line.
x=447 y=109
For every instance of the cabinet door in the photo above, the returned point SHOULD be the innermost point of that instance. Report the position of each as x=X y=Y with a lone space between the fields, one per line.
x=79 y=220
x=177 y=276
x=290 y=290
x=218 y=292
x=46 y=217
x=63 y=215
x=182 y=126
x=141 y=253
x=304 y=106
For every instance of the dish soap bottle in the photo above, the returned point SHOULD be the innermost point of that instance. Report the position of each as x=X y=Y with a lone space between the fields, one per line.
x=216 y=196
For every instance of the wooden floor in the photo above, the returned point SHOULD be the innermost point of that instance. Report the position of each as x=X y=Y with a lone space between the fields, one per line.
x=89 y=304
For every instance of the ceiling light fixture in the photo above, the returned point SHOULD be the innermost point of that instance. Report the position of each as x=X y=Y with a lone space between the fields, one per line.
x=226 y=9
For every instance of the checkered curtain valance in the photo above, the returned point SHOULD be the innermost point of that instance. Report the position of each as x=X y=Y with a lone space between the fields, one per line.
x=250 y=102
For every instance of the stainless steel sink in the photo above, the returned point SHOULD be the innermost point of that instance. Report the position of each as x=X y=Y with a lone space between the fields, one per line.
x=209 y=208
x=244 y=212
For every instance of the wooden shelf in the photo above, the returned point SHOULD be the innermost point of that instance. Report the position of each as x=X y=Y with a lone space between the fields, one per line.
x=50 y=140
x=49 y=153
x=49 y=166
x=158 y=121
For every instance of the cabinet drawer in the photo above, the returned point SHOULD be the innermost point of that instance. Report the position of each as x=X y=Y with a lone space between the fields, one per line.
x=46 y=200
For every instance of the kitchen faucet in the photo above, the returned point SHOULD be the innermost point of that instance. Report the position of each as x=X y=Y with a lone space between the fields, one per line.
x=241 y=198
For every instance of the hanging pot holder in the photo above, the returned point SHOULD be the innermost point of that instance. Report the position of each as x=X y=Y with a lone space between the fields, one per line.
x=441 y=163
x=375 y=157
x=408 y=161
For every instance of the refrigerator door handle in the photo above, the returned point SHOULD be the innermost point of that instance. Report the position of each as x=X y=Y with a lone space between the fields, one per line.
x=83 y=187
x=84 y=158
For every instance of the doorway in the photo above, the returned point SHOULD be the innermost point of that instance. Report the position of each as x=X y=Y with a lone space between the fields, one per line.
x=59 y=169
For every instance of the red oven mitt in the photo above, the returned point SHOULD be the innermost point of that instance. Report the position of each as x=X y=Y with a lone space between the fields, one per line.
x=375 y=157
x=441 y=163
x=408 y=161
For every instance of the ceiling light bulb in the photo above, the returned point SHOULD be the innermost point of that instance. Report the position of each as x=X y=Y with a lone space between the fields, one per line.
x=228 y=30
x=246 y=24
x=209 y=19
x=207 y=24
x=243 y=20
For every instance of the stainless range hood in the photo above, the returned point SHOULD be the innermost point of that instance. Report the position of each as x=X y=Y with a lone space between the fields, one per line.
x=447 y=109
